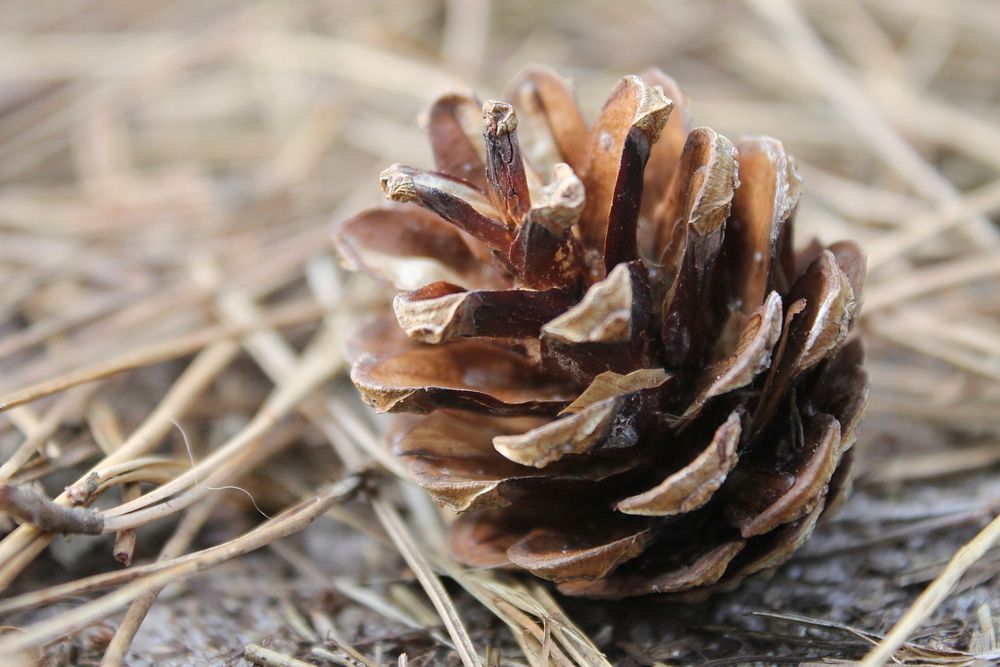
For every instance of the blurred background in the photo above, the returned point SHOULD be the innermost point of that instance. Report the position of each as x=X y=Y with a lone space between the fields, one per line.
x=170 y=166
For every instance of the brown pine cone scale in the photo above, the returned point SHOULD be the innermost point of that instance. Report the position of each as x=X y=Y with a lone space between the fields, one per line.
x=619 y=372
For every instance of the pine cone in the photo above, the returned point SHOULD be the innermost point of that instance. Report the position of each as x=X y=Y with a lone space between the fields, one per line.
x=623 y=377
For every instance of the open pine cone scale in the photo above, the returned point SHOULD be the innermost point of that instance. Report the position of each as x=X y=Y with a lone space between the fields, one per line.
x=622 y=375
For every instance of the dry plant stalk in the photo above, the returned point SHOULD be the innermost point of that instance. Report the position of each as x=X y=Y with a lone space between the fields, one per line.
x=33 y=507
x=162 y=573
x=934 y=594
x=634 y=383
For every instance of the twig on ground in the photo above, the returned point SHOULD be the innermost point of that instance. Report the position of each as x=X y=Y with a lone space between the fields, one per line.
x=34 y=507
x=287 y=523
x=20 y=547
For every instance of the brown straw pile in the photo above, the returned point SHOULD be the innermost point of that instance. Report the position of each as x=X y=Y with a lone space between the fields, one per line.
x=172 y=379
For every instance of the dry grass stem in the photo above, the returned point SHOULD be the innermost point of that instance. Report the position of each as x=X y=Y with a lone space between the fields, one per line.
x=421 y=567
x=289 y=522
x=265 y=657
x=21 y=546
x=857 y=108
x=934 y=594
x=188 y=527
x=157 y=353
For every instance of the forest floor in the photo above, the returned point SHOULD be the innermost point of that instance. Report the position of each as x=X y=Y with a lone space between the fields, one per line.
x=169 y=174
